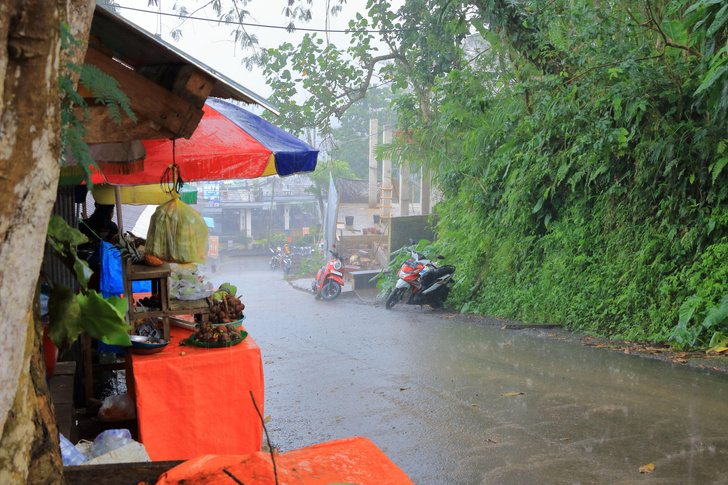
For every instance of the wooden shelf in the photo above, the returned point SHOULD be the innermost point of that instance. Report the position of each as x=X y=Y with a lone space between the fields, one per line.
x=159 y=276
x=142 y=272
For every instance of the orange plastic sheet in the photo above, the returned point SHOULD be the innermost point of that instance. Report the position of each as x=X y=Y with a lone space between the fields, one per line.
x=349 y=460
x=194 y=401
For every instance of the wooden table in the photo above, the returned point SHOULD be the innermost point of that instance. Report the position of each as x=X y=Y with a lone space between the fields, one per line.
x=193 y=401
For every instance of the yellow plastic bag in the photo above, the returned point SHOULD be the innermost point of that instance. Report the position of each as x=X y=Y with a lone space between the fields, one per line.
x=177 y=233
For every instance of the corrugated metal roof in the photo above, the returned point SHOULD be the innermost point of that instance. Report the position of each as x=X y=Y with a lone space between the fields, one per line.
x=138 y=48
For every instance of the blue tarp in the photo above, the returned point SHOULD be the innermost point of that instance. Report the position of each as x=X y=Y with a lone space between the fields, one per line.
x=110 y=283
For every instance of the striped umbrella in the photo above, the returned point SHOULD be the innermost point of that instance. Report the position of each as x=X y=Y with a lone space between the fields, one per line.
x=229 y=143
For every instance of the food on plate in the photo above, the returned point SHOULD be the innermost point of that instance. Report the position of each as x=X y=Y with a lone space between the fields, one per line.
x=210 y=333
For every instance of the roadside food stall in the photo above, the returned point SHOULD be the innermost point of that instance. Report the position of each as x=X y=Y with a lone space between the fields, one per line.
x=178 y=382
x=196 y=400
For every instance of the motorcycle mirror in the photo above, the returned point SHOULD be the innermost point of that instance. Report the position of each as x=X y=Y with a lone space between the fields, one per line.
x=440 y=256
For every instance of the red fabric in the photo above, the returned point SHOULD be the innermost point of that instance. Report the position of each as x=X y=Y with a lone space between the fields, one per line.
x=217 y=150
x=351 y=460
x=199 y=403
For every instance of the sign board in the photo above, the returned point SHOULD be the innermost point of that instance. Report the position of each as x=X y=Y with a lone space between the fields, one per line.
x=213 y=246
x=305 y=230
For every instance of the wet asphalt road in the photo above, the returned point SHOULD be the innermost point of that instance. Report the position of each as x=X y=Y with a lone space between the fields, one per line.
x=428 y=391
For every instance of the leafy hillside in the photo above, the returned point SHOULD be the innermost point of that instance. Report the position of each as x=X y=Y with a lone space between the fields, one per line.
x=587 y=170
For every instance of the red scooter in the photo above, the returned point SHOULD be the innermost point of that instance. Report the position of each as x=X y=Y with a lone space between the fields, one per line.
x=421 y=282
x=330 y=278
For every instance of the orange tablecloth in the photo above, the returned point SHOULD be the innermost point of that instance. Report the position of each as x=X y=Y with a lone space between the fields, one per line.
x=199 y=403
x=351 y=460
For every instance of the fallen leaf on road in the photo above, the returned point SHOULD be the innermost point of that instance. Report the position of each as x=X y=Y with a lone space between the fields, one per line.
x=475 y=405
x=267 y=418
x=647 y=468
x=404 y=388
x=511 y=393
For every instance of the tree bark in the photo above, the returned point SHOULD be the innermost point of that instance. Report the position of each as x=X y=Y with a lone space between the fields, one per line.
x=30 y=148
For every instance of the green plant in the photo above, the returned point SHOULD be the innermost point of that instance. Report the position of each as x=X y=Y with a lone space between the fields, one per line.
x=88 y=311
x=714 y=324
x=310 y=265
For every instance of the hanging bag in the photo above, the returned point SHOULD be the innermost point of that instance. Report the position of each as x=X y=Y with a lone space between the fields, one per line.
x=177 y=233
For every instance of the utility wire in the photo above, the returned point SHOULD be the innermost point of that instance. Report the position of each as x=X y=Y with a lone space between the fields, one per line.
x=263 y=26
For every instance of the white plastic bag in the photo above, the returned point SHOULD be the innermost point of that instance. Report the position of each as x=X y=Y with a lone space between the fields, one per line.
x=120 y=407
x=187 y=282
x=110 y=440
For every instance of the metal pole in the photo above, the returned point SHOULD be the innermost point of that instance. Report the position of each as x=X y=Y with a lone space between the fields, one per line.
x=124 y=270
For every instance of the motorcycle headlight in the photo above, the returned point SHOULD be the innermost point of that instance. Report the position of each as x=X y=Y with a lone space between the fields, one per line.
x=337 y=265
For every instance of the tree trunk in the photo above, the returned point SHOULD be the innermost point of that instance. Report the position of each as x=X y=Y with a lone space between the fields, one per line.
x=30 y=146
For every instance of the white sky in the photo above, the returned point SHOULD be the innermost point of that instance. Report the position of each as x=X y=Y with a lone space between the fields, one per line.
x=214 y=45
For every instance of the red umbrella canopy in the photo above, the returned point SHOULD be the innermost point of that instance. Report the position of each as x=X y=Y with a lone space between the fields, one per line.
x=229 y=143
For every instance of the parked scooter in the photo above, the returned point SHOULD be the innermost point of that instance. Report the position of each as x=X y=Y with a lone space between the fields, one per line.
x=330 y=278
x=280 y=259
x=421 y=282
x=276 y=258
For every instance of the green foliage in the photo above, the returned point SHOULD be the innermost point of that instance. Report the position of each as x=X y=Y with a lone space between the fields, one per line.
x=62 y=238
x=591 y=194
x=713 y=325
x=71 y=313
x=106 y=92
x=310 y=265
x=351 y=137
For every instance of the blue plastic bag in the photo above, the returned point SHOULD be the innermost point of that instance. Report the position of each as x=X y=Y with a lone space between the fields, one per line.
x=111 y=283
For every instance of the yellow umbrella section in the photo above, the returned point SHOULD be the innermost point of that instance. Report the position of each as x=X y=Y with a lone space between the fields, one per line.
x=152 y=194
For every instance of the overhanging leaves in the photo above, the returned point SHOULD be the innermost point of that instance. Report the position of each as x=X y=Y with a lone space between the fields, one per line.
x=63 y=239
x=103 y=319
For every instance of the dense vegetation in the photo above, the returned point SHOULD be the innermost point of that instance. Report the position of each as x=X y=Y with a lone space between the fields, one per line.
x=595 y=184
x=580 y=146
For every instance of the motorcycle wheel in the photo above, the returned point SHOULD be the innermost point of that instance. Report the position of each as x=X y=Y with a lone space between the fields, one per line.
x=331 y=290
x=394 y=298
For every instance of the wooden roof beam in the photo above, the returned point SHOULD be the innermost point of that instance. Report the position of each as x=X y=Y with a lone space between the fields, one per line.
x=161 y=112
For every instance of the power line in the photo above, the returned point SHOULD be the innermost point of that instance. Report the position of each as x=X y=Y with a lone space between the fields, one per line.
x=263 y=26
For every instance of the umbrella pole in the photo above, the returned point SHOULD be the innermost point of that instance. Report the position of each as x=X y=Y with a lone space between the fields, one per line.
x=124 y=270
